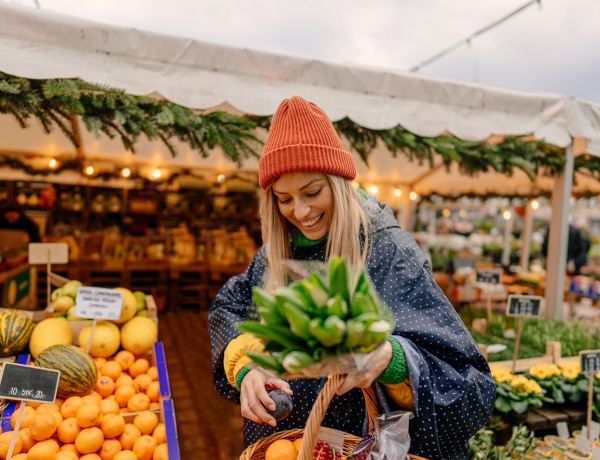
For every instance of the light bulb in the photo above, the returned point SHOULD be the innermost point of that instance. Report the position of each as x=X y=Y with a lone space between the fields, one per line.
x=355 y=184
x=221 y=178
x=397 y=192
x=89 y=170
x=156 y=173
x=413 y=196
x=535 y=204
x=126 y=172
x=52 y=163
x=373 y=189
x=507 y=215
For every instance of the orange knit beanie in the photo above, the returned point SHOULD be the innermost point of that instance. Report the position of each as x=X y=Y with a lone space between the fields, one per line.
x=302 y=139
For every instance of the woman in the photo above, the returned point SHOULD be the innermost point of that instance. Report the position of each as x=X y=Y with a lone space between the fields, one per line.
x=429 y=365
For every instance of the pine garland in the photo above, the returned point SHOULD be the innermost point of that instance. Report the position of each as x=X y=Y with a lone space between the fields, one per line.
x=117 y=114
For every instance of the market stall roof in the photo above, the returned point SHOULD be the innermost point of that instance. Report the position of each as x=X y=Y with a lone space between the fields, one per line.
x=41 y=44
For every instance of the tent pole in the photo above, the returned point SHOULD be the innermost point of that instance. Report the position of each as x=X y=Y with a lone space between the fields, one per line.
x=526 y=237
x=556 y=262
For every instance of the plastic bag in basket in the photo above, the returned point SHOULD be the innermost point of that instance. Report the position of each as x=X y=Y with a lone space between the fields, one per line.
x=390 y=439
x=326 y=321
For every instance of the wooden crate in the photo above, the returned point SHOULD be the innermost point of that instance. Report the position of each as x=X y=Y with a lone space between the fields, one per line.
x=189 y=286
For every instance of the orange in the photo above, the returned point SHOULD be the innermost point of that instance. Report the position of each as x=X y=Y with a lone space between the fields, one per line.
x=124 y=379
x=138 y=402
x=99 y=362
x=153 y=372
x=43 y=450
x=112 y=425
x=21 y=456
x=282 y=449
x=125 y=455
x=129 y=436
x=109 y=406
x=160 y=433
x=105 y=386
x=70 y=406
x=69 y=447
x=154 y=405
x=46 y=408
x=89 y=415
x=93 y=456
x=58 y=416
x=123 y=394
x=111 y=369
x=28 y=414
x=43 y=426
x=34 y=404
x=142 y=382
x=5 y=439
x=161 y=452
x=153 y=391
x=28 y=441
x=110 y=448
x=125 y=358
x=92 y=397
x=139 y=366
x=144 y=447
x=297 y=444
x=146 y=422
x=66 y=455
x=89 y=440
x=68 y=430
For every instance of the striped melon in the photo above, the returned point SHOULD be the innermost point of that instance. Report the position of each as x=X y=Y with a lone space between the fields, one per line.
x=78 y=371
x=15 y=331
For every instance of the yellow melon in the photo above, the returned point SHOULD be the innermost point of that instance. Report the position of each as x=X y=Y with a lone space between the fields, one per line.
x=48 y=332
x=106 y=339
x=129 y=308
x=139 y=334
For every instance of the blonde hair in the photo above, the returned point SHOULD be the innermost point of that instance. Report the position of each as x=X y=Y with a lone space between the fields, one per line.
x=343 y=240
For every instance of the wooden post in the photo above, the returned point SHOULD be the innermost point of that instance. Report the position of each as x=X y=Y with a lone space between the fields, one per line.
x=517 y=341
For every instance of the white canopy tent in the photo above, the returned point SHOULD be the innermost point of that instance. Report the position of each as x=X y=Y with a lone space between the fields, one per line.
x=207 y=76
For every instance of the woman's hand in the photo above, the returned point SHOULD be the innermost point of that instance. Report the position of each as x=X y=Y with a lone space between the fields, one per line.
x=254 y=395
x=377 y=363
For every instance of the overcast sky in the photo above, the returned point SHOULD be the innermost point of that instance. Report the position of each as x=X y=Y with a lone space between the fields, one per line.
x=551 y=48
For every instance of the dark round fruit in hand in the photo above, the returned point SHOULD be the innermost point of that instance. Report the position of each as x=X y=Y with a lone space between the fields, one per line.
x=283 y=404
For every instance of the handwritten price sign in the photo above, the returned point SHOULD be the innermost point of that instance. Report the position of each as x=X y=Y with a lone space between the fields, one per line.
x=28 y=383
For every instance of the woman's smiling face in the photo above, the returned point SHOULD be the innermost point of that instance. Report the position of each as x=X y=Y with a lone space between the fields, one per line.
x=305 y=199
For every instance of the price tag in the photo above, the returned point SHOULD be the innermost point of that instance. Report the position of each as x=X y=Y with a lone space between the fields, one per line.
x=46 y=253
x=523 y=305
x=589 y=360
x=28 y=383
x=491 y=276
x=98 y=303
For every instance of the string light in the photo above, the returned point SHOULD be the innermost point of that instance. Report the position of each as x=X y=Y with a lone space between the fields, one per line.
x=156 y=173
x=221 y=178
x=413 y=196
x=52 y=163
x=90 y=170
x=535 y=204
x=373 y=189
x=507 y=215
x=126 y=172
x=397 y=192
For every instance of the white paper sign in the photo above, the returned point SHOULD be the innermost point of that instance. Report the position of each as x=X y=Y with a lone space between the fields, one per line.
x=98 y=303
x=583 y=444
x=596 y=453
x=43 y=253
x=562 y=428
x=594 y=429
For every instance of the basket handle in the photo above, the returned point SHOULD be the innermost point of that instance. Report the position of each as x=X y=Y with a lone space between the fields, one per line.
x=319 y=408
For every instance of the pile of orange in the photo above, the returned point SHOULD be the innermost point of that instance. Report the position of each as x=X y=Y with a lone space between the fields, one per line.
x=283 y=449
x=116 y=421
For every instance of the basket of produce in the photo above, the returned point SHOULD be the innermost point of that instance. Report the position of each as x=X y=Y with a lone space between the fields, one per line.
x=324 y=324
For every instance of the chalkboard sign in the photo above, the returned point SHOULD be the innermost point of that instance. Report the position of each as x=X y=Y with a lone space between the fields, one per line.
x=463 y=262
x=491 y=276
x=523 y=305
x=590 y=360
x=28 y=383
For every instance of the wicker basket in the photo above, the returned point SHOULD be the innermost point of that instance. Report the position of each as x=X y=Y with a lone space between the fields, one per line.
x=257 y=450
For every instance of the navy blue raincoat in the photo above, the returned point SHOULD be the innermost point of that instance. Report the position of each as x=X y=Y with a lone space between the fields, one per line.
x=451 y=384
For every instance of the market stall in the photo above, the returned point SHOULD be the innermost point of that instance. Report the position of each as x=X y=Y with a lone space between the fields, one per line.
x=211 y=77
